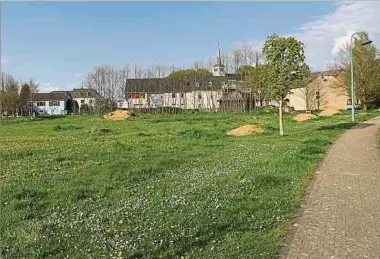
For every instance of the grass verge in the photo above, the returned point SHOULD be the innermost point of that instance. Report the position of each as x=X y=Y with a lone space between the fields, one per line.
x=155 y=186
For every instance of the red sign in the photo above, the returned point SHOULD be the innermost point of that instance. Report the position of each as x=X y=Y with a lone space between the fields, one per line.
x=135 y=95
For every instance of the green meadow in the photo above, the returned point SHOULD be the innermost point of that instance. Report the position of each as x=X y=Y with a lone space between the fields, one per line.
x=156 y=186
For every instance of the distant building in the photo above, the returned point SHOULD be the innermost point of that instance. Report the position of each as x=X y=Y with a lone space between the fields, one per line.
x=205 y=93
x=64 y=102
x=83 y=96
x=53 y=103
x=331 y=91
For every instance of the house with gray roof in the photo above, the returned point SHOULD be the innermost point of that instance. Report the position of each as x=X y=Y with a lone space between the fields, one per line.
x=53 y=103
x=202 y=93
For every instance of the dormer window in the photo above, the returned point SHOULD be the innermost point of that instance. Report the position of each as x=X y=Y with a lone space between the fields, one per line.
x=209 y=84
x=197 y=84
x=215 y=69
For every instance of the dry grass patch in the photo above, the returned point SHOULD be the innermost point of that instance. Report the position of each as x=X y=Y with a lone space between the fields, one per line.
x=329 y=112
x=245 y=130
x=304 y=117
x=118 y=115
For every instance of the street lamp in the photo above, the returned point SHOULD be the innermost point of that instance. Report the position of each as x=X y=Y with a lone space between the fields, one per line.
x=366 y=42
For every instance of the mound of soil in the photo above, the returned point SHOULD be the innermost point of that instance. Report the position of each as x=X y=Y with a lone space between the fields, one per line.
x=117 y=115
x=245 y=130
x=329 y=112
x=304 y=117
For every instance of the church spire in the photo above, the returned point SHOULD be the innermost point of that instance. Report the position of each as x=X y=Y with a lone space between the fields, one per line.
x=218 y=68
x=219 y=62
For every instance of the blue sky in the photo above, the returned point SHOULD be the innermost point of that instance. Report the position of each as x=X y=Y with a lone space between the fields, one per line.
x=57 y=43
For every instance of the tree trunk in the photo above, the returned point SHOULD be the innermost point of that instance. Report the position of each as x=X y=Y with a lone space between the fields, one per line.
x=365 y=107
x=280 y=118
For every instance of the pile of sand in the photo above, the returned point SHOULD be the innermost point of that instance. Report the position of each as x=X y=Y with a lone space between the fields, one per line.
x=329 y=112
x=304 y=117
x=245 y=130
x=117 y=115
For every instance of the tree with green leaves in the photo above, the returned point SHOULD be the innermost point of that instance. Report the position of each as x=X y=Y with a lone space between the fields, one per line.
x=286 y=67
x=24 y=98
x=255 y=79
x=187 y=73
x=366 y=69
x=245 y=70
x=9 y=94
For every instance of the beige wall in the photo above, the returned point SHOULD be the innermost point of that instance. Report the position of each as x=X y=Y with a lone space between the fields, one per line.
x=333 y=94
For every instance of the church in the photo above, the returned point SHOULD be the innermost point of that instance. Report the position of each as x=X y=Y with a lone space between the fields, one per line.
x=220 y=91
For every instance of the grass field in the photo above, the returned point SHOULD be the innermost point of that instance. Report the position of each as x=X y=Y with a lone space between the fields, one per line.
x=155 y=186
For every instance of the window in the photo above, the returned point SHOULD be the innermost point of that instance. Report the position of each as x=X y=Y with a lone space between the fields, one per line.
x=182 y=95
x=210 y=84
x=40 y=103
x=216 y=69
x=54 y=103
x=199 y=96
x=173 y=95
x=88 y=94
x=197 y=84
x=90 y=101
x=221 y=69
x=81 y=101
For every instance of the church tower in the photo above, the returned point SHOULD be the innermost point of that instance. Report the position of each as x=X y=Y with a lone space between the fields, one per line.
x=218 y=69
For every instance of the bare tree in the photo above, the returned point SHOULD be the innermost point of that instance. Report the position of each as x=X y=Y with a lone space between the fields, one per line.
x=255 y=57
x=312 y=93
x=237 y=57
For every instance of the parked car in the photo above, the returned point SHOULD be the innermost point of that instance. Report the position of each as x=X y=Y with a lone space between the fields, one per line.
x=349 y=105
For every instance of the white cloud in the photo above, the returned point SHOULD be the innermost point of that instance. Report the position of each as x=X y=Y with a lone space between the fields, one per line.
x=77 y=75
x=49 y=86
x=324 y=36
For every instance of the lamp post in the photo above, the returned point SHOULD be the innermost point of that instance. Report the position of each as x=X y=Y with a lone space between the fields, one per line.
x=317 y=96
x=366 y=42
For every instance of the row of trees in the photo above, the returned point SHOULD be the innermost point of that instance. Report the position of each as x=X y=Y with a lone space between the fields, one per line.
x=15 y=95
x=110 y=81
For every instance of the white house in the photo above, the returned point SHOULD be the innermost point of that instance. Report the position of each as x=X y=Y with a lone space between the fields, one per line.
x=196 y=93
x=83 y=96
x=53 y=103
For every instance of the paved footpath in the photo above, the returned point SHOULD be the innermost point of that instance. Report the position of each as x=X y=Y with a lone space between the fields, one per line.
x=341 y=216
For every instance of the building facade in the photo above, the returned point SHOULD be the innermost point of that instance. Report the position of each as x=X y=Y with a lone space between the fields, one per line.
x=53 y=103
x=84 y=96
x=204 y=93
x=328 y=85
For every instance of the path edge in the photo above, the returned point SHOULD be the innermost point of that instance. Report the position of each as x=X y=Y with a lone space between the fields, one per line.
x=310 y=179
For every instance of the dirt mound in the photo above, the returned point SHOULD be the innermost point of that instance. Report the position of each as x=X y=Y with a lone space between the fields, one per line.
x=118 y=115
x=329 y=112
x=304 y=117
x=245 y=130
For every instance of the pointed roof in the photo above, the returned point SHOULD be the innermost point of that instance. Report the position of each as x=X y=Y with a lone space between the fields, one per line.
x=218 y=59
